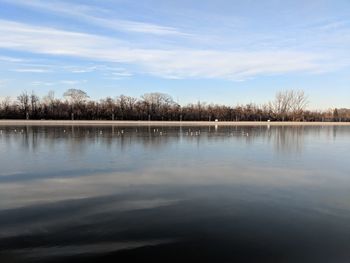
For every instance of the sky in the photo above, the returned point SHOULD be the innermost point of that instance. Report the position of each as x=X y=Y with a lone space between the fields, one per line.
x=219 y=51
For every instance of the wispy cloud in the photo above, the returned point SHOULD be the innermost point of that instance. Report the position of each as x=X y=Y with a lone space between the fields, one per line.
x=72 y=82
x=42 y=83
x=58 y=83
x=174 y=63
x=32 y=70
x=88 y=15
x=108 y=72
x=81 y=69
x=139 y=27
x=121 y=74
x=330 y=25
x=10 y=59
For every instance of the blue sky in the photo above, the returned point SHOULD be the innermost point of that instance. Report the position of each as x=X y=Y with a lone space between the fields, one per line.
x=221 y=51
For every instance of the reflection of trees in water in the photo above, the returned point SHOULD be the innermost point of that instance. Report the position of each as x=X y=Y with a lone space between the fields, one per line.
x=288 y=139
x=292 y=139
x=284 y=138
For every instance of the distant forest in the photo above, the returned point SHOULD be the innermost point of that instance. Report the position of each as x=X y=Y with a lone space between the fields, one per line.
x=287 y=105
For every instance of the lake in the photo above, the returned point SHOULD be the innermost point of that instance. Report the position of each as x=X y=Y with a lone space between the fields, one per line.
x=175 y=194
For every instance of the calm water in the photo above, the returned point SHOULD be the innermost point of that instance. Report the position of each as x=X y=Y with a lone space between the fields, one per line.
x=172 y=194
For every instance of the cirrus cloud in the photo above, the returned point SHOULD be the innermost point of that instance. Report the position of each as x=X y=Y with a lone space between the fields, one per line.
x=167 y=63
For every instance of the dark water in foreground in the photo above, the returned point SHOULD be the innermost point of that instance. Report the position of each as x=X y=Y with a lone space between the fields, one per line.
x=191 y=194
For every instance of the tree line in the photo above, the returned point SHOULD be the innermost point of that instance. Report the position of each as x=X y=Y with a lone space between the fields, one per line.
x=287 y=105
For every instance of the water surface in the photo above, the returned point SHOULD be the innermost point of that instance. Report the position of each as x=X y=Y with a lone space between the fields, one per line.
x=174 y=194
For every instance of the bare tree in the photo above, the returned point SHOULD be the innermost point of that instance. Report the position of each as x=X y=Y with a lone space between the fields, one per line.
x=299 y=104
x=23 y=99
x=34 y=100
x=289 y=103
x=5 y=103
x=49 y=98
x=282 y=104
x=49 y=102
x=108 y=106
x=156 y=103
x=76 y=96
x=122 y=106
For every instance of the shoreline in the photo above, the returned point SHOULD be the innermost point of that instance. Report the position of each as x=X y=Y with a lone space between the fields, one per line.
x=163 y=123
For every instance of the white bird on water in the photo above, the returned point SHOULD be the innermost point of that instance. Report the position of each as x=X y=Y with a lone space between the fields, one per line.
x=245 y=134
